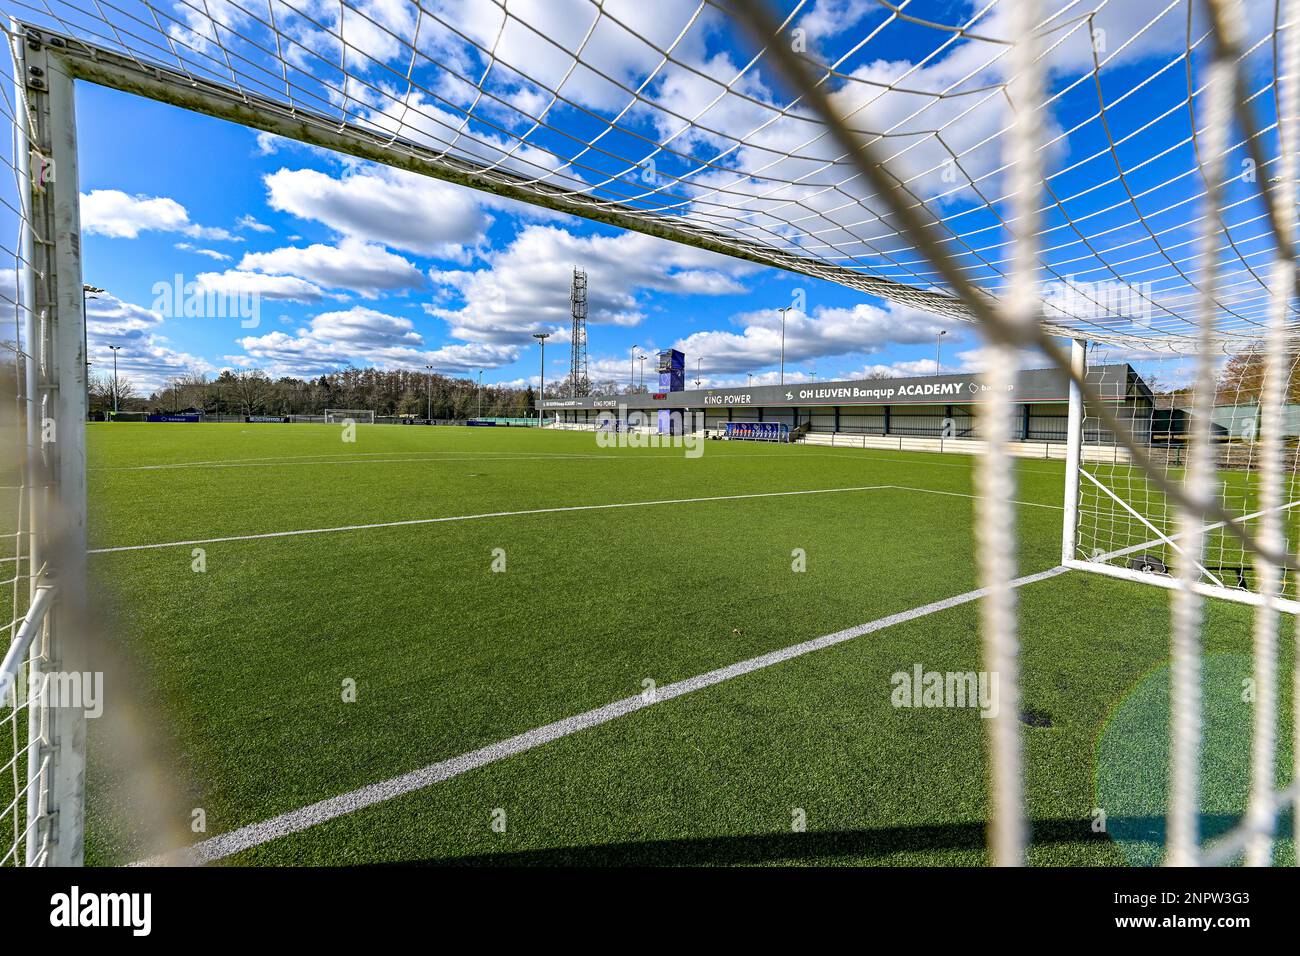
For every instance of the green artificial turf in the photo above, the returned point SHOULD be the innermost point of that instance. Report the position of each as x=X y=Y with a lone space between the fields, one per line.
x=235 y=676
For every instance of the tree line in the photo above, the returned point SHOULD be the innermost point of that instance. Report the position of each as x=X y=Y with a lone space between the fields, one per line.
x=389 y=392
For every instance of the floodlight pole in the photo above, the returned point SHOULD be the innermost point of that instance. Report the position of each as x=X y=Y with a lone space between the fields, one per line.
x=52 y=301
x=698 y=360
x=642 y=358
x=87 y=292
x=541 y=340
x=480 y=393
x=783 y=312
x=428 y=391
x=938 y=346
x=631 y=384
x=116 y=349
x=1073 y=453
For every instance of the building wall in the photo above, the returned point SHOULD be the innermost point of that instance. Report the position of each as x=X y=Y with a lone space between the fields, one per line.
x=1046 y=422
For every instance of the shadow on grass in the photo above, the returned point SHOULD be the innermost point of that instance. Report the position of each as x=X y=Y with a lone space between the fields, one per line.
x=828 y=845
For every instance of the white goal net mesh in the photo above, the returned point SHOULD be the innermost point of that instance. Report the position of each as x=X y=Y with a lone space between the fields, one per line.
x=359 y=416
x=1127 y=521
x=1118 y=172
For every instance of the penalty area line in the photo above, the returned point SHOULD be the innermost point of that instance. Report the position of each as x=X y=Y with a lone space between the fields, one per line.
x=475 y=517
x=295 y=821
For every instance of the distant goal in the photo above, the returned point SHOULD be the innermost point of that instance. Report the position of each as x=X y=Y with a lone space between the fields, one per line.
x=338 y=416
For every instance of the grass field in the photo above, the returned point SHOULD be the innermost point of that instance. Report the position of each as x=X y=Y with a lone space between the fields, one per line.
x=238 y=673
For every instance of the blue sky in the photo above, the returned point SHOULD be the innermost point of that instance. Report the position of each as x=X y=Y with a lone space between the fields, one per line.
x=147 y=151
x=355 y=263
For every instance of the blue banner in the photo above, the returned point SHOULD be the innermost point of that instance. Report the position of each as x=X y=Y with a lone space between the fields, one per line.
x=758 y=431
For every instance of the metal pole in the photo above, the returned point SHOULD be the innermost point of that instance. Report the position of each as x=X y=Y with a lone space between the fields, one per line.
x=428 y=394
x=56 y=395
x=541 y=340
x=87 y=292
x=938 y=344
x=1073 y=453
x=698 y=360
x=631 y=384
x=480 y=393
x=783 y=312
x=115 y=349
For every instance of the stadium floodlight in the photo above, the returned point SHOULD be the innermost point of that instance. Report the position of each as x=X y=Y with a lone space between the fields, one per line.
x=1213 y=279
x=938 y=345
x=115 y=349
x=428 y=393
x=541 y=340
x=783 y=312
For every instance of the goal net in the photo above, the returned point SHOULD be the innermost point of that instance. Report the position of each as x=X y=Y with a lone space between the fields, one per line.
x=360 y=416
x=1031 y=158
x=1128 y=524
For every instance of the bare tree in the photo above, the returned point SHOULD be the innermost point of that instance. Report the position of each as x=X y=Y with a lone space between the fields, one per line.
x=251 y=388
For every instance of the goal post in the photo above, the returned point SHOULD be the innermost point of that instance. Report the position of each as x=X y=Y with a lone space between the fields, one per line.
x=360 y=416
x=1120 y=522
x=1073 y=451
x=50 y=634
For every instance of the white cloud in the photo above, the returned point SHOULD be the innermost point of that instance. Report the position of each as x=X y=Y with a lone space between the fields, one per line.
x=248 y=222
x=387 y=206
x=146 y=357
x=897 y=369
x=525 y=286
x=234 y=282
x=113 y=213
x=827 y=333
x=210 y=253
x=362 y=336
x=359 y=266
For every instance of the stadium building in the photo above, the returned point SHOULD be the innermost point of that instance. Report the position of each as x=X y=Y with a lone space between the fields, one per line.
x=917 y=413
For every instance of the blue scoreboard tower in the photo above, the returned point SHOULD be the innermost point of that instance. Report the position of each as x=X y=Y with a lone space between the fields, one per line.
x=672 y=378
x=672 y=371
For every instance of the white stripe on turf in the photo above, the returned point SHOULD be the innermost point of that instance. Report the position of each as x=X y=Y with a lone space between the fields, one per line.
x=961 y=494
x=534 y=511
x=227 y=844
x=474 y=517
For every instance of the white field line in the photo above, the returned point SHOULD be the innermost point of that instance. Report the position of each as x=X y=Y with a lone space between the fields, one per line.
x=432 y=457
x=318 y=455
x=226 y=844
x=413 y=457
x=488 y=514
x=961 y=494
x=909 y=458
x=524 y=513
